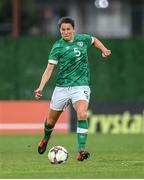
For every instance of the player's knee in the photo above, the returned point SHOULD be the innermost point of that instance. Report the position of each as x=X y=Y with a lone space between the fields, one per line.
x=82 y=114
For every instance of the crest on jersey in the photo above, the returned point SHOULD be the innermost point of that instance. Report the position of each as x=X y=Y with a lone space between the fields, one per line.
x=80 y=43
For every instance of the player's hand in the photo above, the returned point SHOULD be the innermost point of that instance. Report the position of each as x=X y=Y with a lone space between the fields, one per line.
x=106 y=53
x=38 y=93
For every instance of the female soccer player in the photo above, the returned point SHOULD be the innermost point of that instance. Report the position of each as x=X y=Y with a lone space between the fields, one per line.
x=72 y=85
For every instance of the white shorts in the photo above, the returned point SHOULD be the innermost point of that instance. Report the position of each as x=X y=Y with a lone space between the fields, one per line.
x=63 y=96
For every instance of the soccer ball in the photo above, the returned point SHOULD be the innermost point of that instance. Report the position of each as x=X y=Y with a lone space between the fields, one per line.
x=57 y=155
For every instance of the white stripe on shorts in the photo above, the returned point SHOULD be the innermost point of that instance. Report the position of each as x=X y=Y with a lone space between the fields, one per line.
x=82 y=130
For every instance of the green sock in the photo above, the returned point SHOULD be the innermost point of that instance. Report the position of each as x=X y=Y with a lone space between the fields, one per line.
x=47 y=130
x=82 y=130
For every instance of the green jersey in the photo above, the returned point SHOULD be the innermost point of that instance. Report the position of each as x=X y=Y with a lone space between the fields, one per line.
x=73 y=60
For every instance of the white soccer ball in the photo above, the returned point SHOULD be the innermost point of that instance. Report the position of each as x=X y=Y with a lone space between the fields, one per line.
x=57 y=155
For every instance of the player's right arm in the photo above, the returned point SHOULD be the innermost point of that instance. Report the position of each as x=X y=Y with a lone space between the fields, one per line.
x=45 y=77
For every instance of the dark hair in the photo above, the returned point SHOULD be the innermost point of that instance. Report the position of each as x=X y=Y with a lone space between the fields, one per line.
x=66 y=19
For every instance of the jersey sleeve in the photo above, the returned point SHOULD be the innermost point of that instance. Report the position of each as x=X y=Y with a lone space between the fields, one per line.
x=54 y=54
x=89 y=39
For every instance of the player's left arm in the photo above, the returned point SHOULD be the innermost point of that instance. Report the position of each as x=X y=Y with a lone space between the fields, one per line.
x=98 y=44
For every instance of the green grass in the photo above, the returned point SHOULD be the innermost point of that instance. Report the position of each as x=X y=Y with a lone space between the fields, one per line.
x=112 y=156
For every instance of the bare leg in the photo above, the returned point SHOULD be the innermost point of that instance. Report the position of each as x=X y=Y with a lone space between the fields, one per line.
x=81 y=108
x=53 y=116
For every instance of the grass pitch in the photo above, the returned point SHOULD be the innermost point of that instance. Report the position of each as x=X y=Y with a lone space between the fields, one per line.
x=112 y=156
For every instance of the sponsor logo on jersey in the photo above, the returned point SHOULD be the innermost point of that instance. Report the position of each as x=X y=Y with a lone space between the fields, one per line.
x=67 y=48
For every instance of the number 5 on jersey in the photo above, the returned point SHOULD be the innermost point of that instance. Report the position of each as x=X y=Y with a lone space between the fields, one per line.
x=77 y=52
